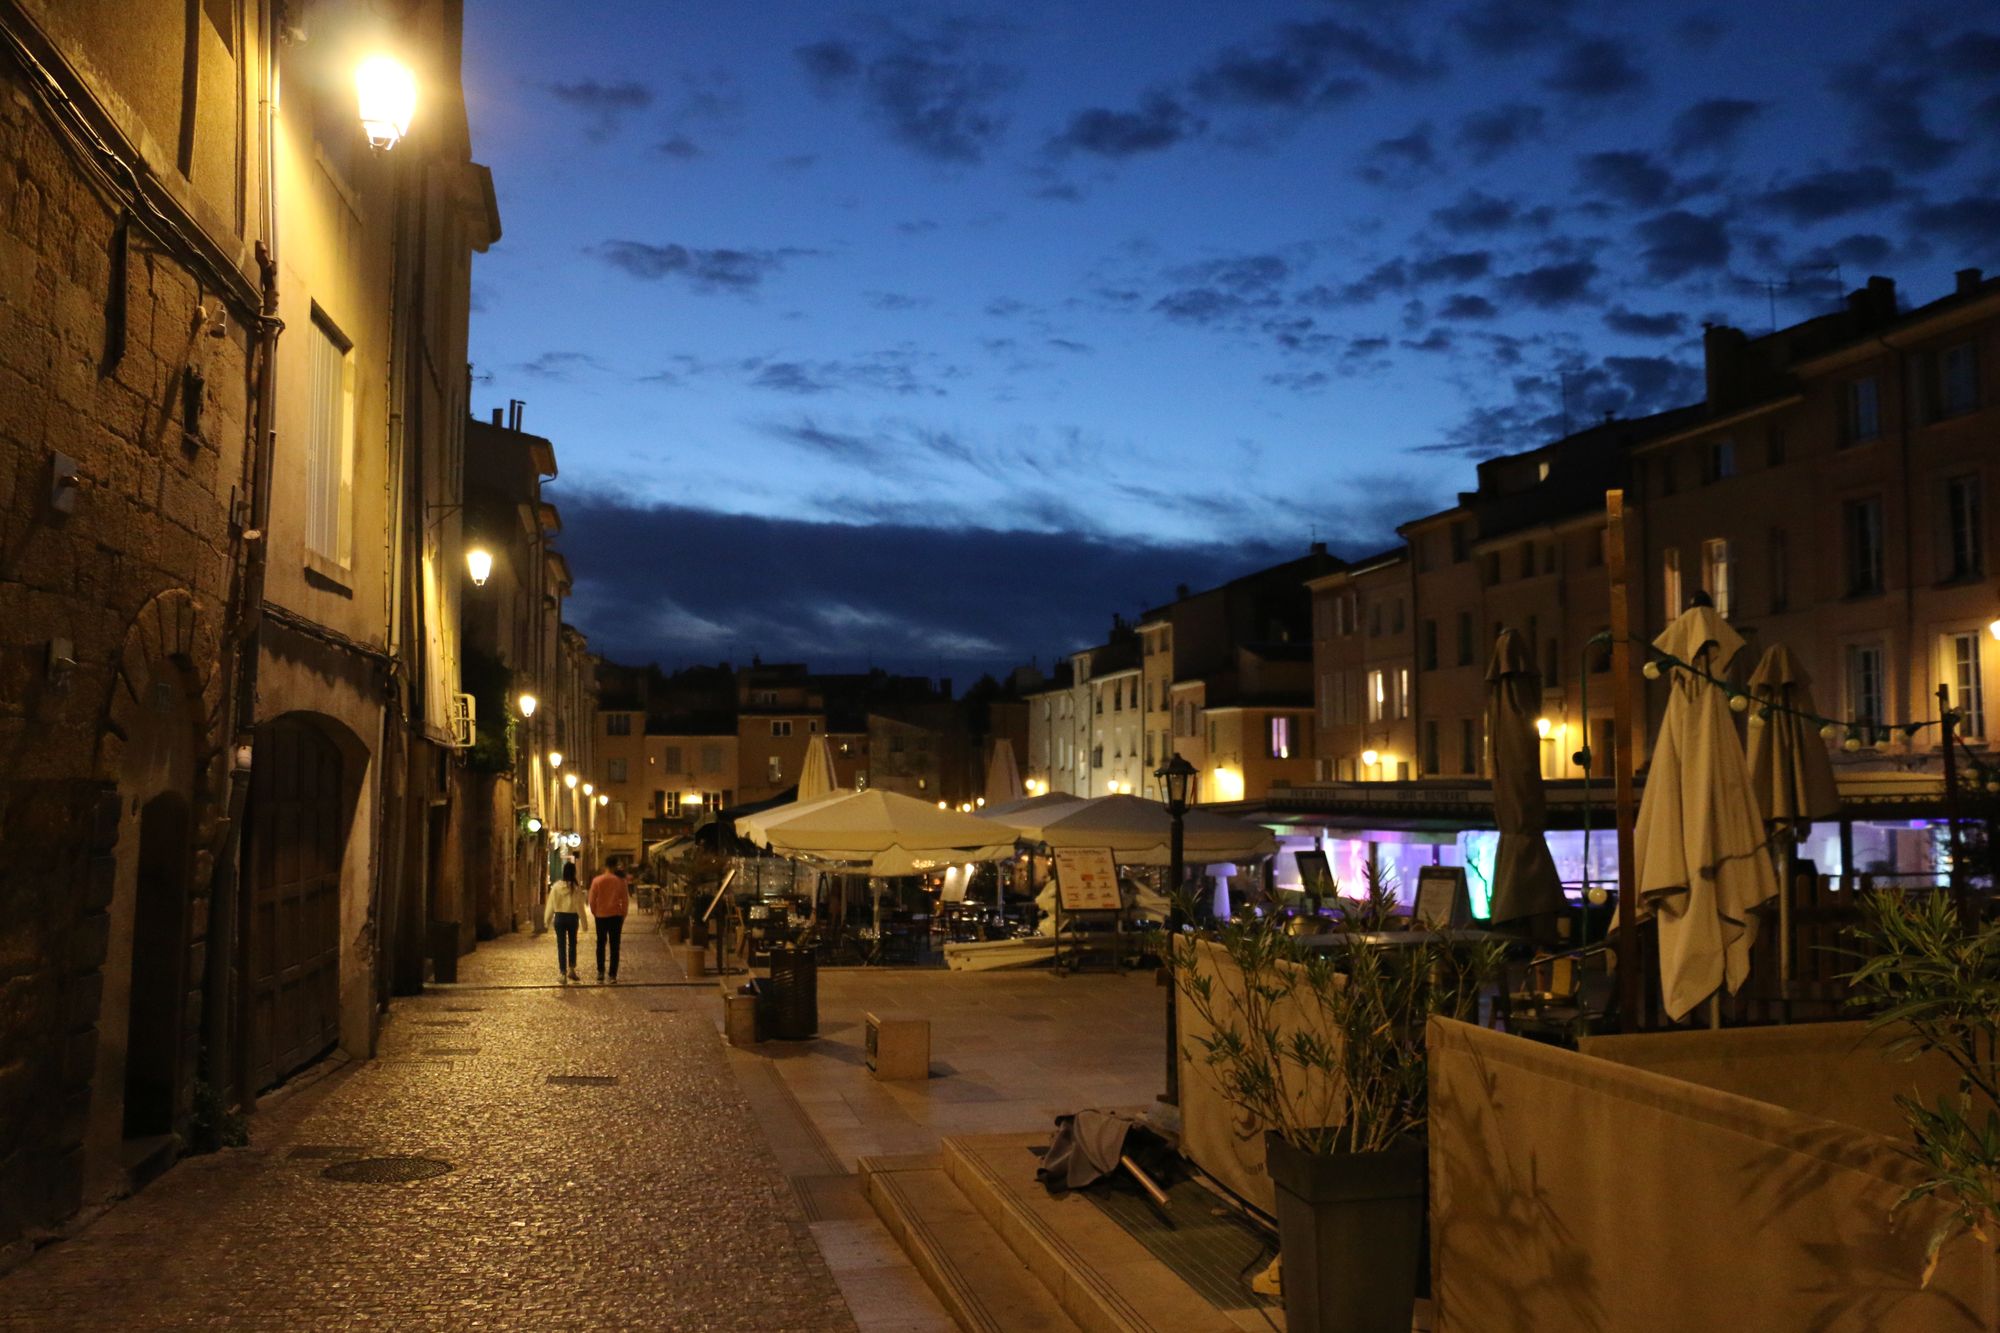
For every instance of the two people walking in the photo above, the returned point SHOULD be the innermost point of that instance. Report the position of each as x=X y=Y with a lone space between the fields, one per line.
x=608 y=901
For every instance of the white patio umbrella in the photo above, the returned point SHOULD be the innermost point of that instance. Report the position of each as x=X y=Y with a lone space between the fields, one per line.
x=1790 y=773
x=1703 y=862
x=1028 y=805
x=881 y=832
x=752 y=826
x=1139 y=832
x=816 y=777
x=1003 y=778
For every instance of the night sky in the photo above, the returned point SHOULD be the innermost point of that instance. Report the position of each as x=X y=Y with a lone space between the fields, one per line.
x=928 y=337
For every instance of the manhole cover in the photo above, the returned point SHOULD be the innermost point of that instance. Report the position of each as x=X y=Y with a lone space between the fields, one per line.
x=583 y=1080
x=386 y=1170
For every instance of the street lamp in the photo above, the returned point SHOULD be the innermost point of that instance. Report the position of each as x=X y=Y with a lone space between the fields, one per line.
x=479 y=564
x=555 y=758
x=387 y=93
x=527 y=704
x=603 y=798
x=1174 y=776
x=588 y=789
x=569 y=780
x=534 y=825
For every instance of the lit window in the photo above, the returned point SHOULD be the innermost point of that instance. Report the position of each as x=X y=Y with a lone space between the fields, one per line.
x=330 y=443
x=1864 y=683
x=1378 y=695
x=1715 y=573
x=1670 y=581
x=1964 y=553
x=783 y=728
x=1281 y=738
x=1963 y=670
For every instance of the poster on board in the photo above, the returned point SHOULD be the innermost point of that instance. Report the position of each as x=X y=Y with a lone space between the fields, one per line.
x=1087 y=879
x=1442 y=901
x=1315 y=875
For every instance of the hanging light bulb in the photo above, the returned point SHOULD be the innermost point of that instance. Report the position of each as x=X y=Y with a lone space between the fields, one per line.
x=1827 y=731
x=1651 y=671
x=1738 y=703
x=1852 y=743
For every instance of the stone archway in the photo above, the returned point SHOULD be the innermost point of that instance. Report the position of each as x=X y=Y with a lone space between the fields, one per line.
x=159 y=954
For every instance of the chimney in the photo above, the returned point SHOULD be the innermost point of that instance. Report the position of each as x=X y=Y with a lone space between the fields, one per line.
x=1180 y=592
x=1722 y=355
x=1968 y=279
x=496 y=416
x=514 y=408
x=1875 y=303
x=1319 y=548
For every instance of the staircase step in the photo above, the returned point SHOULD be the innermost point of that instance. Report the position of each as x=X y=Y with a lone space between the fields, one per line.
x=981 y=1281
x=1103 y=1278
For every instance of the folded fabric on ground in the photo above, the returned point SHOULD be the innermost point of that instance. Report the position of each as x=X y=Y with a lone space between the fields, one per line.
x=1087 y=1146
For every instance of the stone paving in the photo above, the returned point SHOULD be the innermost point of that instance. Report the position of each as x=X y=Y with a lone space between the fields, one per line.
x=651 y=1202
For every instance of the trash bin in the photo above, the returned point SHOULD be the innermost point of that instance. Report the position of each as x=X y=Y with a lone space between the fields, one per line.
x=794 y=993
x=444 y=952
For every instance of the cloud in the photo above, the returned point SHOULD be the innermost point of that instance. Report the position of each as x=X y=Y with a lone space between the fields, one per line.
x=1568 y=394
x=1160 y=122
x=1507 y=27
x=903 y=371
x=1311 y=66
x=1476 y=212
x=1831 y=194
x=1396 y=276
x=1631 y=178
x=1885 y=94
x=1712 y=125
x=1593 y=68
x=1220 y=289
x=1486 y=135
x=1466 y=306
x=1407 y=156
x=1552 y=286
x=1700 y=31
x=839 y=446
x=1667 y=324
x=678 y=146
x=929 y=92
x=1677 y=243
x=558 y=365
x=895 y=301
x=604 y=105
x=721 y=270
x=1971 y=222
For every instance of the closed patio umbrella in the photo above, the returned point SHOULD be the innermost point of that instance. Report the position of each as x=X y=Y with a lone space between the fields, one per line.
x=1003 y=778
x=1526 y=885
x=816 y=776
x=1703 y=863
x=1790 y=773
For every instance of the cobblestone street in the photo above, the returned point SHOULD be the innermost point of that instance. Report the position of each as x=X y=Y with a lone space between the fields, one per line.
x=604 y=1172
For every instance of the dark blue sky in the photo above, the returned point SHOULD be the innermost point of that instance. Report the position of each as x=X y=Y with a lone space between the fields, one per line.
x=930 y=336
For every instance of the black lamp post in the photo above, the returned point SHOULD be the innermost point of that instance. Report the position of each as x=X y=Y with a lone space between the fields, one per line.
x=1174 y=776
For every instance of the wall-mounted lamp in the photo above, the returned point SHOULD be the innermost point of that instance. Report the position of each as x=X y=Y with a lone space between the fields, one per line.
x=1543 y=727
x=569 y=780
x=588 y=789
x=555 y=758
x=479 y=564
x=603 y=799
x=387 y=92
x=527 y=704
x=534 y=825
x=1369 y=758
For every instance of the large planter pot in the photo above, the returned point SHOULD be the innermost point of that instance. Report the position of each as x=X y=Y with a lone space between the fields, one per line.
x=1350 y=1232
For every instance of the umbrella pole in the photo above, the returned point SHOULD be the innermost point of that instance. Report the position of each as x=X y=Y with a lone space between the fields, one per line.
x=1788 y=850
x=1622 y=729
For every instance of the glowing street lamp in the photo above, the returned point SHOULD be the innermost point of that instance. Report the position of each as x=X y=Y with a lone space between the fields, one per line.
x=569 y=780
x=527 y=704
x=479 y=564
x=387 y=92
x=534 y=825
x=555 y=758
x=603 y=798
x=588 y=789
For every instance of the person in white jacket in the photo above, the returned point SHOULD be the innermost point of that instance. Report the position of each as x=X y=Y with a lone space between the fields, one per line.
x=568 y=910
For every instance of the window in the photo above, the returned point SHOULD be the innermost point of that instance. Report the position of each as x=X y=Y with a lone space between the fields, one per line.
x=1402 y=699
x=1461 y=543
x=1468 y=746
x=673 y=764
x=711 y=758
x=1430 y=749
x=1527 y=560
x=1149 y=748
x=1964 y=554
x=614 y=770
x=1396 y=617
x=1862 y=525
x=1549 y=558
x=1864 y=410
x=1326 y=698
x=1781 y=572
x=1420 y=552
x=330 y=443
x=1378 y=695
x=1670 y=581
x=660 y=804
x=1958 y=380
x=764 y=698
x=1375 y=620
x=1593 y=547
x=775 y=768
x=1721 y=459
x=1864 y=683
x=1281 y=738
x=1774 y=446
x=1715 y=573
x=618 y=724
x=1427 y=645
x=1668 y=481
x=617 y=813
x=781 y=727
x=1492 y=572
x=1962 y=671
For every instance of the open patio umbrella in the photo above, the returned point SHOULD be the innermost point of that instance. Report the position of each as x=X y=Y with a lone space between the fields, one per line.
x=1703 y=862
x=881 y=832
x=1028 y=806
x=1526 y=885
x=1790 y=773
x=1003 y=779
x=1139 y=832
x=816 y=777
x=750 y=826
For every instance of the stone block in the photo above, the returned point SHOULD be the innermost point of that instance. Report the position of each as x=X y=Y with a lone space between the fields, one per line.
x=898 y=1045
x=694 y=961
x=739 y=1019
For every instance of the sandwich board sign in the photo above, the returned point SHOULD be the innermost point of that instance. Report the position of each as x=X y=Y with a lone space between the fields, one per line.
x=1442 y=901
x=1087 y=879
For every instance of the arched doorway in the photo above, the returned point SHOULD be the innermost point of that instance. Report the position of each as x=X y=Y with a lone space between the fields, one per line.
x=159 y=935
x=298 y=831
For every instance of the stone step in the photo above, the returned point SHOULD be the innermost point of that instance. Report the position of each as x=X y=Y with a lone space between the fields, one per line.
x=980 y=1281
x=1106 y=1281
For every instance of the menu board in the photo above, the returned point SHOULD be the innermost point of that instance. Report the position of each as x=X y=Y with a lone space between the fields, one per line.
x=1087 y=879
x=1315 y=875
x=1442 y=902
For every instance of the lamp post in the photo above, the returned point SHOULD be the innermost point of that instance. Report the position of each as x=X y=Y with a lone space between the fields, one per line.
x=1174 y=776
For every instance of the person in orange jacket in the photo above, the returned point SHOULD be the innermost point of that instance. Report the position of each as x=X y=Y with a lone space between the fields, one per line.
x=610 y=900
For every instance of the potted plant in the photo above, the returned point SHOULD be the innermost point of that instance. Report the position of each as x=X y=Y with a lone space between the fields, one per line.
x=1934 y=983
x=1321 y=1043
